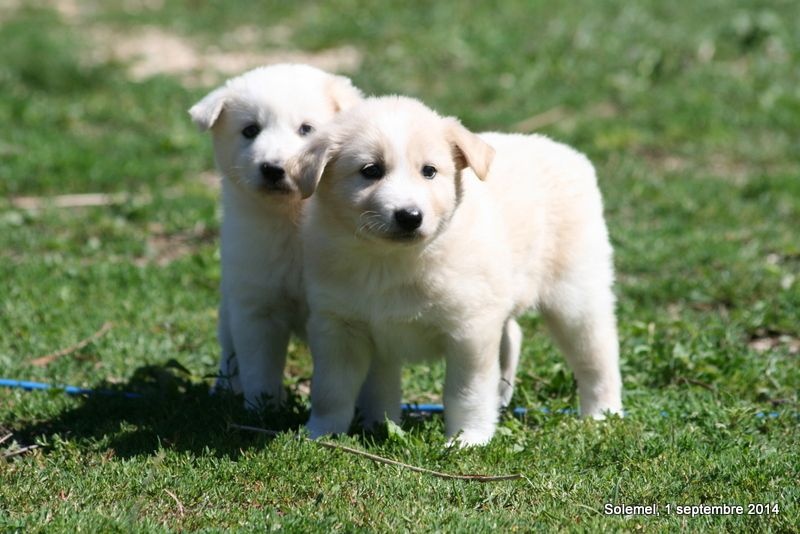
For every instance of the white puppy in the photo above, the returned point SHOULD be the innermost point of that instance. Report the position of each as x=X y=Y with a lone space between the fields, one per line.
x=258 y=120
x=426 y=240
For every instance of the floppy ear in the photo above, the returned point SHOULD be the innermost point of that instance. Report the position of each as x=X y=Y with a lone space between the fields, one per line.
x=306 y=168
x=343 y=93
x=469 y=149
x=206 y=112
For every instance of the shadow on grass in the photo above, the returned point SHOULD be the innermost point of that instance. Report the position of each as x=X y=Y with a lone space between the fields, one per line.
x=178 y=413
x=173 y=412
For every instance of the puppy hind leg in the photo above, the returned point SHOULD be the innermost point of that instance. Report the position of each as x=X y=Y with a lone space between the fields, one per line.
x=584 y=328
x=510 y=347
x=381 y=394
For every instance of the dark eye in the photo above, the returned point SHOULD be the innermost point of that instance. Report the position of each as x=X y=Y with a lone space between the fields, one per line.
x=305 y=129
x=429 y=171
x=251 y=131
x=372 y=171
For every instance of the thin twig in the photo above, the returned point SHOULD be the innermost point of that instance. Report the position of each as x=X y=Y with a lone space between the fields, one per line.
x=695 y=382
x=381 y=459
x=557 y=114
x=88 y=200
x=273 y=433
x=17 y=452
x=175 y=498
x=44 y=360
x=5 y=438
x=541 y=120
x=595 y=510
x=778 y=402
x=84 y=200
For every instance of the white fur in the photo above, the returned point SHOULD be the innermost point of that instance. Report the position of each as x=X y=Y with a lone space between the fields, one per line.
x=263 y=300
x=531 y=235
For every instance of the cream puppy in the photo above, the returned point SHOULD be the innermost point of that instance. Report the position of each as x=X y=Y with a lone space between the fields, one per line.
x=425 y=240
x=258 y=120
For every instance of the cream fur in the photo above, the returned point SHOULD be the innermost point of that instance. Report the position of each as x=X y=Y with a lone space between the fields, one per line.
x=263 y=300
x=531 y=235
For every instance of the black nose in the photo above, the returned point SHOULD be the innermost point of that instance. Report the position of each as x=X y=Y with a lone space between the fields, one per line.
x=272 y=173
x=408 y=219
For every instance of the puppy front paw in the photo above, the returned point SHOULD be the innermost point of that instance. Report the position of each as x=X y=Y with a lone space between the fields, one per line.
x=260 y=401
x=470 y=438
x=601 y=414
x=319 y=426
x=315 y=433
x=599 y=406
x=226 y=385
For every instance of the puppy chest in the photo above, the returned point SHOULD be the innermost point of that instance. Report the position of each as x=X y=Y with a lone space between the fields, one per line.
x=408 y=341
x=265 y=266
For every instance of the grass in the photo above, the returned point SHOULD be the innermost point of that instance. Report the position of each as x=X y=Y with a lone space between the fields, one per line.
x=690 y=112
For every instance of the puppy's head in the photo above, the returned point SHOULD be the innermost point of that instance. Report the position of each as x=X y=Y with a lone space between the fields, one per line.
x=390 y=169
x=263 y=117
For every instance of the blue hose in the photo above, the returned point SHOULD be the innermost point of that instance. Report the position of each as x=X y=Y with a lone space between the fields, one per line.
x=410 y=407
x=75 y=390
x=70 y=390
x=406 y=407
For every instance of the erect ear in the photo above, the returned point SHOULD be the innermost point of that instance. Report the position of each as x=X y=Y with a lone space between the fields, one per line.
x=469 y=149
x=206 y=112
x=342 y=92
x=305 y=168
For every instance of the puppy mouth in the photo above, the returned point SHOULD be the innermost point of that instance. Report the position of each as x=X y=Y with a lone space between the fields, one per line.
x=374 y=227
x=276 y=188
x=402 y=236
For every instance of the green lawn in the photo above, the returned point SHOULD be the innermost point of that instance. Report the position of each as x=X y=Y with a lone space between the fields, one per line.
x=691 y=112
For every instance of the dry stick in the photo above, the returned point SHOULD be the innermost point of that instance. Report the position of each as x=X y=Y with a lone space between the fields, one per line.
x=84 y=200
x=17 y=452
x=541 y=120
x=695 y=382
x=44 y=360
x=88 y=200
x=5 y=438
x=551 y=116
x=175 y=498
x=382 y=460
x=595 y=510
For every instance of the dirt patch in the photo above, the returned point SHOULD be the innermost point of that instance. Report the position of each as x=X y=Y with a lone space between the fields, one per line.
x=724 y=166
x=72 y=11
x=566 y=119
x=164 y=248
x=767 y=340
x=730 y=167
x=68 y=9
x=210 y=179
x=152 y=51
x=666 y=162
x=149 y=51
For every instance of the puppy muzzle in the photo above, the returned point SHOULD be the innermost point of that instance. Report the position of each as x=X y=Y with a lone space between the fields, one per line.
x=274 y=179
